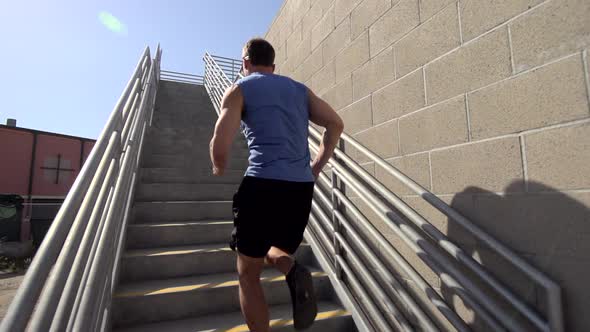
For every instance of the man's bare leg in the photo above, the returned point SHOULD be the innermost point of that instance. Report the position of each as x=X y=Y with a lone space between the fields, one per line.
x=252 y=299
x=280 y=259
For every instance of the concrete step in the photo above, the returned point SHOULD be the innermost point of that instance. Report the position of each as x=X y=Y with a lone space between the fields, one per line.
x=201 y=118
x=186 y=129
x=178 y=161
x=184 y=121
x=178 y=261
x=184 y=192
x=189 y=146
x=185 y=108
x=331 y=318
x=185 y=261
x=189 y=175
x=163 y=142
x=146 y=212
x=193 y=141
x=192 y=150
x=176 y=97
x=197 y=296
x=155 y=235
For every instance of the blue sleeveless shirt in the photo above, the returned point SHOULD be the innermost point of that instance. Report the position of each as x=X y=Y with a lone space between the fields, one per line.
x=274 y=121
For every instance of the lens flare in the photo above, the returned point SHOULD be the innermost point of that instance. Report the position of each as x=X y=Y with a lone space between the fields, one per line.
x=112 y=23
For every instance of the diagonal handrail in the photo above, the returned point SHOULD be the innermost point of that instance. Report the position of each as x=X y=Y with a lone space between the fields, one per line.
x=69 y=283
x=552 y=288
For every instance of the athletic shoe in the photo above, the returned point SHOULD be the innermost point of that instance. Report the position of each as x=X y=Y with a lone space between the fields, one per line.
x=303 y=297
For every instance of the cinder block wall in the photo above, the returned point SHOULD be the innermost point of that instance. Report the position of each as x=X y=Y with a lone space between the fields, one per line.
x=485 y=103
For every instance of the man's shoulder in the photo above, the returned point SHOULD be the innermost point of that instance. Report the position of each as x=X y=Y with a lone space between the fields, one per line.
x=275 y=80
x=294 y=82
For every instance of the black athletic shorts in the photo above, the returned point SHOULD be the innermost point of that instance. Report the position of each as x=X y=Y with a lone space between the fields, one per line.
x=270 y=213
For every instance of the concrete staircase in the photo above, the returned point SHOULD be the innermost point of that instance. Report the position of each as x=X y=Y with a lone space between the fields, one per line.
x=178 y=273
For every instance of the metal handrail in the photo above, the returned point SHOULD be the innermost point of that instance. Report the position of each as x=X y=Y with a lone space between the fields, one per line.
x=435 y=249
x=417 y=244
x=173 y=76
x=71 y=279
x=552 y=289
x=230 y=67
x=397 y=289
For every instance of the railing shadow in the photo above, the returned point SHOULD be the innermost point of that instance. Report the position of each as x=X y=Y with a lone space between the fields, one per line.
x=544 y=226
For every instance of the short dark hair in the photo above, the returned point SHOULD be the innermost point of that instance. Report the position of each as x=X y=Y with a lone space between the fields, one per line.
x=260 y=52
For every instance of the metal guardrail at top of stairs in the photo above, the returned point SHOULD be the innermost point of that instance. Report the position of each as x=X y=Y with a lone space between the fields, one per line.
x=217 y=79
x=166 y=75
x=69 y=284
x=331 y=234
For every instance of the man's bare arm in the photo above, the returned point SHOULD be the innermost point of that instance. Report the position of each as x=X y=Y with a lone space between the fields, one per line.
x=226 y=128
x=324 y=115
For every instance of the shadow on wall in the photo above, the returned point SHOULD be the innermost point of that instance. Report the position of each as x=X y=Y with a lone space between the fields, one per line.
x=549 y=229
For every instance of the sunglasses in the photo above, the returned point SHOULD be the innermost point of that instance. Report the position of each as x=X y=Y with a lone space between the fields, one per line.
x=241 y=72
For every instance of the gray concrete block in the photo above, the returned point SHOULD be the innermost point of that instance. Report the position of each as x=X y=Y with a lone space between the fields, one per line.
x=398 y=98
x=381 y=139
x=352 y=56
x=559 y=158
x=323 y=4
x=477 y=64
x=311 y=18
x=343 y=8
x=340 y=95
x=393 y=25
x=293 y=41
x=323 y=28
x=357 y=116
x=479 y=17
x=310 y=66
x=323 y=79
x=438 y=126
x=373 y=75
x=297 y=57
x=553 y=30
x=417 y=167
x=286 y=27
x=432 y=7
x=367 y=12
x=299 y=10
x=490 y=165
x=428 y=41
x=337 y=40
x=549 y=95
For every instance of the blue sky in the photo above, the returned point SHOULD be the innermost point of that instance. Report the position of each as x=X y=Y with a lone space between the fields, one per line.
x=63 y=70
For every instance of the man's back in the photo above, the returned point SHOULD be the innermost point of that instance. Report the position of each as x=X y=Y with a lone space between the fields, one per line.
x=272 y=205
x=274 y=120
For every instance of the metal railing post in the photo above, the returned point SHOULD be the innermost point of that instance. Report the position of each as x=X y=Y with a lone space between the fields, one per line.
x=335 y=225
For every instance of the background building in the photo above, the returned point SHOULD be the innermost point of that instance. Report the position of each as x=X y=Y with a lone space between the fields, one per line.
x=41 y=167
